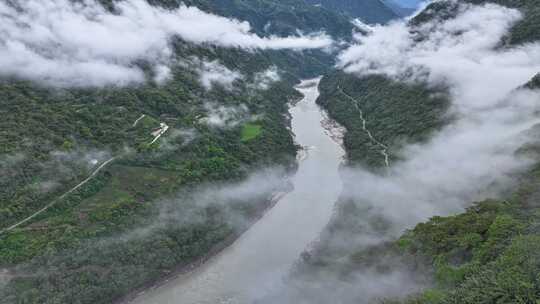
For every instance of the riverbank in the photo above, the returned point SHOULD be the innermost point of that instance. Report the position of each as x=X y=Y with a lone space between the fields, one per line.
x=97 y=228
x=189 y=268
x=263 y=256
x=186 y=269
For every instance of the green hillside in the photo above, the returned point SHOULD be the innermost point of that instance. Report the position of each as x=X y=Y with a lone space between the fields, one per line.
x=535 y=82
x=487 y=254
x=280 y=17
x=369 y=11
x=55 y=257
x=395 y=113
x=99 y=186
x=128 y=225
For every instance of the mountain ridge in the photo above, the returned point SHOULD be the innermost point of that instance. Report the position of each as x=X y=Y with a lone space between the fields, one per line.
x=478 y=256
x=369 y=11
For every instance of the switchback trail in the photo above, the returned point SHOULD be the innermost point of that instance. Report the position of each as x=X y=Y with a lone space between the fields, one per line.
x=384 y=148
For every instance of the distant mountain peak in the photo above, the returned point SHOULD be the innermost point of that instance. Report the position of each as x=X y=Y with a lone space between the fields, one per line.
x=399 y=8
x=369 y=11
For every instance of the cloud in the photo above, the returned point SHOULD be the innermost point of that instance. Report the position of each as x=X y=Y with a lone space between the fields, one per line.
x=162 y=74
x=362 y=27
x=60 y=167
x=25 y=178
x=263 y=80
x=458 y=52
x=67 y=43
x=5 y=277
x=175 y=140
x=226 y=116
x=213 y=73
x=475 y=156
x=472 y=158
x=231 y=198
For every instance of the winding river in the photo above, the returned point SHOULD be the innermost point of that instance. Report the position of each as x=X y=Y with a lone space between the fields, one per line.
x=261 y=258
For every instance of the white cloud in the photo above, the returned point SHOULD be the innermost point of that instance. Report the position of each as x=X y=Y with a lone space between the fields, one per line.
x=459 y=52
x=364 y=28
x=473 y=157
x=162 y=74
x=225 y=116
x=64 y=43
x=213 y=73
x=264 y=79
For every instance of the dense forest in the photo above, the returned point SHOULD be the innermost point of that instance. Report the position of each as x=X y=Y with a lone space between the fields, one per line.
x=123 y=181
x=397 y=114
x=138 y=216
x=56 y=138
x=488 y=254
x=527 y=30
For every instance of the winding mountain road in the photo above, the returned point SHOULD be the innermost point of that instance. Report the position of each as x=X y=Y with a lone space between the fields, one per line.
x=94 y=173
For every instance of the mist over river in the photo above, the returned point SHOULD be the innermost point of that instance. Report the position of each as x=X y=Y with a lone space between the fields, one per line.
x=261 y=258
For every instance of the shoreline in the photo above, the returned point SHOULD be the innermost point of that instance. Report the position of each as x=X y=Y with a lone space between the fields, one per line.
x=218 y=248
x=187 y=269
x=333 y=129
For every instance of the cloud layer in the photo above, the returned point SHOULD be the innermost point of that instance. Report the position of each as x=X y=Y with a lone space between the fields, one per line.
x=263 y=80
x=213 y=73
x=63 y=43
x=475 y=153
x=473 y=158
x=220 y=116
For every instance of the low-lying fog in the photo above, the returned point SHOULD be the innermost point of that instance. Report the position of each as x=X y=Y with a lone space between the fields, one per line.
x=473 y=158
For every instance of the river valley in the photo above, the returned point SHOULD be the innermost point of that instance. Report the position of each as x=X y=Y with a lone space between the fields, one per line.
x=260 y=259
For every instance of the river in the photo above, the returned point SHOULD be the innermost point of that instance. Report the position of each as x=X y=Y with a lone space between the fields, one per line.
x=261 y=258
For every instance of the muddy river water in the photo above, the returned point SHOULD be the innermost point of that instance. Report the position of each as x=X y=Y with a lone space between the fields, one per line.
x=261 y=258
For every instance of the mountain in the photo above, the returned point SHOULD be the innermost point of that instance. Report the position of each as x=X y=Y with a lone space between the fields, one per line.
x=400 y=10
x=526 y=30
x=485 y=254
x=369 y=11
x=96 y=177
x=268 y=16
x=100 y=183
x=535 y=82
x=54 y=139
x=409 y=3
x=279 y=17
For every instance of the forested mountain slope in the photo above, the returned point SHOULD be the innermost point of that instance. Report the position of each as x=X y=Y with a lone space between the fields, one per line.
x=281 y=17
x=271 y=17
x=396 y=113
x=76 y=251
x=399 y=9
x=526 y=30
x=374 y=91
x=535 y=82
x=486 y=254
x=108 y=188
x=105 y=189
x=369 y=11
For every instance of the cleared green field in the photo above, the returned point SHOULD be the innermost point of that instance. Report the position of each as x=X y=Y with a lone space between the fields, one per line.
x=250 y=131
